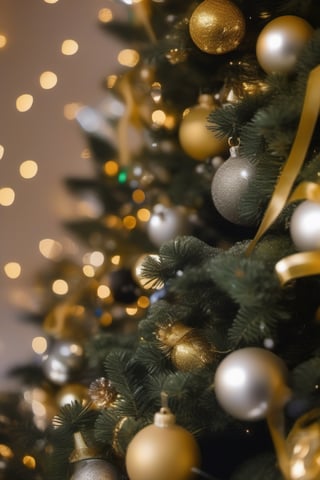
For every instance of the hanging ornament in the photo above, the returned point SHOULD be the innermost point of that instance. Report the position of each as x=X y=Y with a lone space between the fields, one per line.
x=102 y=393
x=251 y=382
x=162 y=451
x=186 y=346
x=217 y=26
x=195 y=137
x=280 y=43
x=87 y=464
x=65 y=359
x=303 y=445
x=166 y=223
x=145 y=282
x=229 y=184
x=305 y=226
x=123 y=287
x=72 y=392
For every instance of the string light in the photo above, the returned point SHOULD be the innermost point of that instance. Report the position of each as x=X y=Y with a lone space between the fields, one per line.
x=69 y=47
x=24 y=102
x=28 y=169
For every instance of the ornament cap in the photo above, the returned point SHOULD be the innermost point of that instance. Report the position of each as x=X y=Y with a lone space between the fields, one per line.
x=164 y=418
x=81 y=450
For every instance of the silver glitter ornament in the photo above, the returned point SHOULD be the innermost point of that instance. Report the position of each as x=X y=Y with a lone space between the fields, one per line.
x=305 y=226
x=251 y=382
x=229 y=184
x=87 y=465
x=63 y=360
x=94 y=469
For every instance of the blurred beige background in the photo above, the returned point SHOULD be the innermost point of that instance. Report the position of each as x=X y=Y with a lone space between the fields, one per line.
x=32 y=33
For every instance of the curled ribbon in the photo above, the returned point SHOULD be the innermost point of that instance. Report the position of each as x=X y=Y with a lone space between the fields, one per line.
x=308 y=119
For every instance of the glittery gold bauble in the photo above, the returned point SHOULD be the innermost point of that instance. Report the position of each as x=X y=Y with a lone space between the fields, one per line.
x=189 y=349
x=280 y=43
x=73 y=392
x=303 y=446
x=195 y=137
x=162 y=451
x=102 y=392
x=217 y=26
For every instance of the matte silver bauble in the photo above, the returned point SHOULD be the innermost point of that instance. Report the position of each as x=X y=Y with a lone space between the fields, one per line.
x=280 y=43
x=166 y=223
x=94 y=469
x=63 y=360
x=229 y=184
x=305 y=226
x=251 y=382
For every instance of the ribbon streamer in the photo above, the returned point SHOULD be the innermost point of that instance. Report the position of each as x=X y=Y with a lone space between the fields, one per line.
x=308 y=119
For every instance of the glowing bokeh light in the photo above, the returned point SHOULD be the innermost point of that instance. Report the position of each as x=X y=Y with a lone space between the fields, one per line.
x=12 y=270
x=60 y=287
x=103 y=291
x=71 y=110
x=50 y=248
x=105 y=15
x=69 y=47
x=3 y=41
x=39 y=345
x=24 y=102
x=128 y=57
x=143 y=214
x=7 y=196
x=1 y=151
x=48 y=80
x=28 y=169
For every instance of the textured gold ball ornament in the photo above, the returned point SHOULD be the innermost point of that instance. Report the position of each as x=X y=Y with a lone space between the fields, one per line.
x=250 y=383
x=195 y=137
x=217 y=26
x=102 y=393
x=187 y=347
x=145 y=282
x=162 y=451
x=280 y=43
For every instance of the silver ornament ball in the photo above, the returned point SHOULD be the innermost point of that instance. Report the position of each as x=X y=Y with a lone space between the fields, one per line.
x=63 y=360
x=280 y=43
x=305 y=226
x=250 y=382
x=229 y=184
x=166 y=223
x=94 y=469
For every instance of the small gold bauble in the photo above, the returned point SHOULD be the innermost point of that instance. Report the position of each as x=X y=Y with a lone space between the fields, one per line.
x=142 y=280
x=217 y=26
x=195 y=137
x=72 y=392
x=192 y=352
x=162 y=451
x=102 y=393
x=280 y=43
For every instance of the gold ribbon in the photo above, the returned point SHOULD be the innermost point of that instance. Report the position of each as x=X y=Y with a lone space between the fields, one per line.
x=308 y=119
x=305 y=263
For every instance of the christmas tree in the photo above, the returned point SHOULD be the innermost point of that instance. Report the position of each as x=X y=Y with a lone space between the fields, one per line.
x=188 y=342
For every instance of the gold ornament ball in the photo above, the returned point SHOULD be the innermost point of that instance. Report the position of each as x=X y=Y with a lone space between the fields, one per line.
x=280 y=43
x=73 y=392
x=192 y=352
x=143 y=281
x=217 y=26
x=195 y=138
x=162 y=451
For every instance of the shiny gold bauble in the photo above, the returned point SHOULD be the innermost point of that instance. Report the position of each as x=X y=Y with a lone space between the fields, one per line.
x=217 y=26
x=280 y=43
x=142 y=280
x=195 y=137
x=162 y=451
x=73 y=392
x=102 y=393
